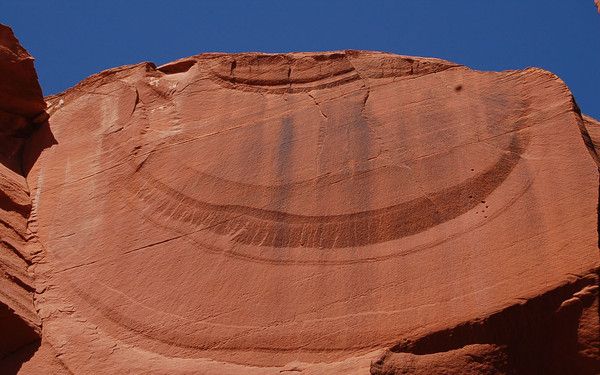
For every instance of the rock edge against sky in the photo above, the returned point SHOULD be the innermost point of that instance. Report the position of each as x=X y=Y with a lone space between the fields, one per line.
x=344 y=212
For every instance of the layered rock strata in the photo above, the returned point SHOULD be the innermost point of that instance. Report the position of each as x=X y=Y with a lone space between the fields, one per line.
x=21 y=107
x=346 y=212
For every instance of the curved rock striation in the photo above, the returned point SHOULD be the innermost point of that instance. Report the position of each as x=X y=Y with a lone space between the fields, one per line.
x=342 y=212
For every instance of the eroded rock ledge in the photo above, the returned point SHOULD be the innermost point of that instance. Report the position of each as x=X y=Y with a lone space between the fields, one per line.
x=554 y=333
x=21 y=110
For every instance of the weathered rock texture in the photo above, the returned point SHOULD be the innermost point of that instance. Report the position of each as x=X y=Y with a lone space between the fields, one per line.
x=323 y=213
x=21 y=104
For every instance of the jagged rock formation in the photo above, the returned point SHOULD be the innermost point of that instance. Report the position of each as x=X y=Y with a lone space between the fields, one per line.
x=325 y=213
x=21 y=105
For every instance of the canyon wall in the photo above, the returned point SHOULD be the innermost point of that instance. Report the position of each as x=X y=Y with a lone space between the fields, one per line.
x=344 y=212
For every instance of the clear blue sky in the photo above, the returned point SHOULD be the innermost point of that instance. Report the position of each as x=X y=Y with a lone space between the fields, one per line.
x=74 y=39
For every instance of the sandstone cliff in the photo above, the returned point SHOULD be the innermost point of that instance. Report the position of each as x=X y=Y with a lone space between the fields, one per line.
x=21 y=106
x=345 y=212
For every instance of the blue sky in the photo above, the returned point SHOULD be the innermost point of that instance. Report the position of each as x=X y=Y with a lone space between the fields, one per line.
x=74 y=39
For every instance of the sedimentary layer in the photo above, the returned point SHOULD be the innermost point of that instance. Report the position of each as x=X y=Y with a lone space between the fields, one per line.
x=21 y=107
x=344 y=212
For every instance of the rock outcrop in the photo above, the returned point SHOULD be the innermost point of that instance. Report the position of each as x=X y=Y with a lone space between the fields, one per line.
x=326 y=213
x=21 y=106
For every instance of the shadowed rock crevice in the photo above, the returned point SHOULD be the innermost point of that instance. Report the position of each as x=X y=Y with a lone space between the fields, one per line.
x=18 y=340
x=40 y=139
x=22 y=109
x=539 y=336
x=12 y=363
x=177 y=67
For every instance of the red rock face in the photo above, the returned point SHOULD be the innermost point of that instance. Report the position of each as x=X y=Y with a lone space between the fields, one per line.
x=21 y=105
x=324 y=213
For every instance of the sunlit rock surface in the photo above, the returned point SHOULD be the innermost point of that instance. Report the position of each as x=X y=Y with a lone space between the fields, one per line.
x=326 y=213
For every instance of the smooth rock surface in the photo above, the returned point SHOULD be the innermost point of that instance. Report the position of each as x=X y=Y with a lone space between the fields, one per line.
x=341 y=212
x=265 y=213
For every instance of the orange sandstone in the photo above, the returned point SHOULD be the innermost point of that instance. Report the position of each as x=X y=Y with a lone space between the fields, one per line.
x=345 y=212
